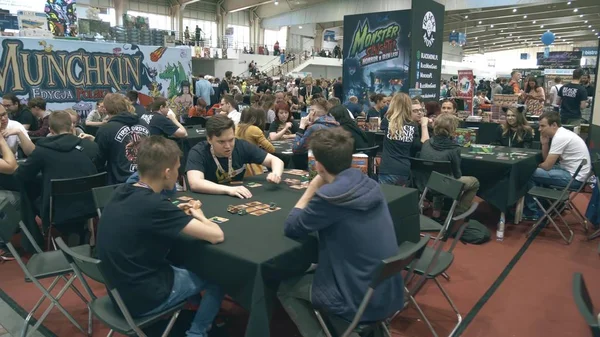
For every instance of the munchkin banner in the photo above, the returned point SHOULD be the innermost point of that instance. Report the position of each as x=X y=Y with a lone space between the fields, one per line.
x=66 y=73
x=376 y=54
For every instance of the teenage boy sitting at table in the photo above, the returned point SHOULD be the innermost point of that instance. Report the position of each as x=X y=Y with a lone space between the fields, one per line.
x=356 y=232
x=138 y=228
x=222 y=160
x=61 y=156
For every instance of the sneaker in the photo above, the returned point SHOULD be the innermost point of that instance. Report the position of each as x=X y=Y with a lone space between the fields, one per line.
x=5 y=255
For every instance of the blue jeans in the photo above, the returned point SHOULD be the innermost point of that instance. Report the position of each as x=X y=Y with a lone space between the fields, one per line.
x=186 y=285
x=556 y=176
x=393 y=179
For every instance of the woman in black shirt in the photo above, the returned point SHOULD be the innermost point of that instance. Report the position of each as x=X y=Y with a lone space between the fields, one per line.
x=342 y=116
x=515 y=131
x=284 y=126
x=377 y=109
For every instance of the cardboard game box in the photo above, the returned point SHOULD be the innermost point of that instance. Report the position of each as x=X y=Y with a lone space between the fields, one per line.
x=359 y=161
x=465 y=137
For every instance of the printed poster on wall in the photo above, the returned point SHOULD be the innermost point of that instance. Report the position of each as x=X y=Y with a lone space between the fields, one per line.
x=427 y=17
x=465 y=89
x=62 y=17
x=376 y=54
x=66 y=73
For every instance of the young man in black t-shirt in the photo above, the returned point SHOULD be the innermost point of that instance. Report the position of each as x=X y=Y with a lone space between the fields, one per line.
x=138 y=228
x=159 y=122
x=19 y=112
x=572 y=98
x=222 y=160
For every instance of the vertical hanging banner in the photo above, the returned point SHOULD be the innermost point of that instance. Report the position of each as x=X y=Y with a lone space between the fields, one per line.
x=376 y=54
x=427 y=38
x=465 y=89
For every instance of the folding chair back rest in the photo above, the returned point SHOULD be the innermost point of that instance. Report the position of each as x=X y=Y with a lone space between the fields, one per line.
x=79 y=185
x=388 y=268
x=9 y=221
x=74 y=193
x=396 y=264
x=584 y=303
x=445 y=185
x=87 y=265
x=102 y=195
x=369 y=151
x=596 y=167
x=421 y=169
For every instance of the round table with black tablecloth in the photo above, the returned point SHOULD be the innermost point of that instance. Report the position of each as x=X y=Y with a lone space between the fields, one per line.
x=256 y=255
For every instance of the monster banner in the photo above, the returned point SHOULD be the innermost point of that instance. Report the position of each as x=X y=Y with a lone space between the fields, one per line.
x=66 y=73
x=376 y=54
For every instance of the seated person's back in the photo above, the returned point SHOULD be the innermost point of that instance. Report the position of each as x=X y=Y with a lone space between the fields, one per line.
x=61 y=156
x=158 y=121
x=355 y=229
x=118 y=138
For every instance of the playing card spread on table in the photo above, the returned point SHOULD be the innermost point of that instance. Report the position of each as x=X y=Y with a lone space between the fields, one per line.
x=184 y=198
x=218 y=219
x=298 y=187
x=254 y=203
x=175 y=202
x=252 y=209
x=244 y=206
x=259 y=212
x=269 y=210
x=295 y=172
x=253 y=184
x=292 y=181
x=262 y=206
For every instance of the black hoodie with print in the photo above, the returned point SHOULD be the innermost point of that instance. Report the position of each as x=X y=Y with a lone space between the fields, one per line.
x=61 y=157
x=442 y=148
x=117 y=140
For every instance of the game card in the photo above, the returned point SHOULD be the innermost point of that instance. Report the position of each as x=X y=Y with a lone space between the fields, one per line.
x=175 y=202
x=218 y=219
x=243 y=206
x=298 y=187
x=254 y=203
x=259 y=212
x=251 y=209
x=262 y=206
x=253 y=184
x=269 y=210
x=184 y=198
x=502 y=158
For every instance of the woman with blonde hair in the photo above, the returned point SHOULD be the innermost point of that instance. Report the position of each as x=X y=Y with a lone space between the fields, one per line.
x=402 y=140
x=515 y=131
x=250 y=129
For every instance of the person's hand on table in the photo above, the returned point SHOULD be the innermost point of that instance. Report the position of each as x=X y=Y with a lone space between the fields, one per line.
x=10 y=132
x=239 y=192
x=273 y=178
x=197 y=213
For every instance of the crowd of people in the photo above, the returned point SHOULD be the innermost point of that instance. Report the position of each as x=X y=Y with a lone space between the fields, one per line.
x=134 y=145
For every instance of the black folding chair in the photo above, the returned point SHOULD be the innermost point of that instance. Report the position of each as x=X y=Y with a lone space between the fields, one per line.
x=102 y=196
x=79 y=189
x=103 y=308
x=584 y=304
x=596 y=168
x=421 y=172
x=388 y=268
x=371 y=153
x=40 y=266
x=435 y=261
x=557 y=198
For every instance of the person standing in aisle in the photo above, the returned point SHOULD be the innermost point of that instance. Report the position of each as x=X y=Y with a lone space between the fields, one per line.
x=572 y=99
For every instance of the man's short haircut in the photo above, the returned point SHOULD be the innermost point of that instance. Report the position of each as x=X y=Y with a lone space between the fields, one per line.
x=577 y=73
x=445 y=125
x=13 y=98
x=333 y=148
x=132 y=96
x=228 y=74
x=158 y=103
x=353 y=99
x=512 y=73
x=60 y=121
x=231 y=100
x=115 y=104
x=498 y=80
x=37 y=102
x=156 y=154
x=334 y=101
x=557 y=79
x=217 y=124
x=551 y=117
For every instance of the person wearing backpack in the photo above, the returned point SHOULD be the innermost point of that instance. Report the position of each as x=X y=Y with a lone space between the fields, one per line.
x=554 y=98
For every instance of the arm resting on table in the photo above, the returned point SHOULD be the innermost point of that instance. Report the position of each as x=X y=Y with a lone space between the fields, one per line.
x=201 y=185
x=204 y=229
x=275 y=164
x=314 y=217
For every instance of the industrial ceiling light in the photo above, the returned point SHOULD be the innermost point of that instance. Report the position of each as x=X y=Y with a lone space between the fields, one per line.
x=453 y=31
x=299 y=27
x=590 y=26
x=534 y=22
x=542 y=26
x=568 y=3
x=479 y=22
x=491 y=26
x=514 y=10
x=524 y=16
x=476 y=36
x=580 y=15
x=276 y=3
x=466 y=16
x=575 y=10
x=586 y=21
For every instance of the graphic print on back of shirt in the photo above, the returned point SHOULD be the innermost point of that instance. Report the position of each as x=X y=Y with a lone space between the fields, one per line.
x=131 y=136
x=407 y=134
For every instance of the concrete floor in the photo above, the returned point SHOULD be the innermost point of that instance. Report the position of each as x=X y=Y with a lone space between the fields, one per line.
x=11 y=324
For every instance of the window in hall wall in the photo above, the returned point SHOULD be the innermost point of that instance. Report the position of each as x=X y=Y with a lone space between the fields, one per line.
x=272 y=36
x=241 y=36
x=109 y=17
x=209 y=28
x=156 y=21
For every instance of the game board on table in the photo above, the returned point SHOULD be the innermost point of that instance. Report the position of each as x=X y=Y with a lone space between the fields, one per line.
x=255 y=208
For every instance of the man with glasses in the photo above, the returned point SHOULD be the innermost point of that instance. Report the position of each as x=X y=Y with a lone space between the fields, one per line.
x=18 y=112
x=15 y=134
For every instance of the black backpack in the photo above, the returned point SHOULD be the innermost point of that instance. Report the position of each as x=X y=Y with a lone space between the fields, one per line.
x=475 y=233
x=508 y=90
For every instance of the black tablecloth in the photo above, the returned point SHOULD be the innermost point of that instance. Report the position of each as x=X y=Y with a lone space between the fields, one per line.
x=502 y=181
x=256 y=255
x=283 y=151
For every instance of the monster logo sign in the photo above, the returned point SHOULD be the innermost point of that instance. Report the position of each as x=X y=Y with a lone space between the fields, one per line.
x=375 y=46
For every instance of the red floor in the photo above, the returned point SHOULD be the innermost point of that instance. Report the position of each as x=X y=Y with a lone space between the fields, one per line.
x=534 y=300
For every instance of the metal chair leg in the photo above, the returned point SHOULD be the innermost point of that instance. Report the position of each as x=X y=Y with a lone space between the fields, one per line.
x=421 y=313
x=594 y=235
x=548 y=214
x=458 y=316
x=110 y=333
x=322 y=322
x=385 y=329
x=446 y=276
x=36 y=306
x=171 y=323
